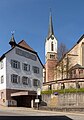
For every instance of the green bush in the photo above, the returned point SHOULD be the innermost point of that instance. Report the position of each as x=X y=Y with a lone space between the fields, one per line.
x=62 y=91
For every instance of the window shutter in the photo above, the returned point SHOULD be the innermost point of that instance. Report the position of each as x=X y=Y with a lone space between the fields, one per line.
x=38 y=83
x=18 y=65
x=29 y=67
x=18 y=79
x=12 y=78
x=11 y=63
x=22 y=66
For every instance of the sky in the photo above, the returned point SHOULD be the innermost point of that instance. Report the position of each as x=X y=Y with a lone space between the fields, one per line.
x=29 y=19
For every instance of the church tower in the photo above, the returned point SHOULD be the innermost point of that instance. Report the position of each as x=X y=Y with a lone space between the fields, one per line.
x=50 y=52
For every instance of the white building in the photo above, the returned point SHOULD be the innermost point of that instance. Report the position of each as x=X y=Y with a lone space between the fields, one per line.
x=21 y=73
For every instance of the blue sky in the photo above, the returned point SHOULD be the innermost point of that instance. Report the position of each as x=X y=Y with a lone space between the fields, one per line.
x=30 y=19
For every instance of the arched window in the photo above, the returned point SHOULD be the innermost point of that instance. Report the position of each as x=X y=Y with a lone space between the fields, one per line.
x=52 y=46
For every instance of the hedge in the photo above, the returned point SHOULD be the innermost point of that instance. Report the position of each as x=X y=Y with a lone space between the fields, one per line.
x=62 y=91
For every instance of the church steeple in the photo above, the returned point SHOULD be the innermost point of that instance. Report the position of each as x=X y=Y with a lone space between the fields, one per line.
x=12 y=41
x=50 y=28
x=50 y=52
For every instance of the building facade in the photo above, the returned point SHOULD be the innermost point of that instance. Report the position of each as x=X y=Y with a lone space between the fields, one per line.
x=21 y=74
x=69 y=71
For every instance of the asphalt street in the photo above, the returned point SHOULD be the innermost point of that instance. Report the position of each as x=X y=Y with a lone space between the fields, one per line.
x=28 y=113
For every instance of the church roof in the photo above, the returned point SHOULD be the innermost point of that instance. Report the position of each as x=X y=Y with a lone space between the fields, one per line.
x=50 y=29
x=77 y=66
x=80 y=38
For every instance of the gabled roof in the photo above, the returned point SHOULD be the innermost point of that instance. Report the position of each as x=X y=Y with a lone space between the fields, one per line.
x=72 y=48
x=22 y=43
x=77 y=66
x=80 y=38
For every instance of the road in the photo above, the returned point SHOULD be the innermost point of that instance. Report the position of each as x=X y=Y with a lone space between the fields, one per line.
x=40 y=113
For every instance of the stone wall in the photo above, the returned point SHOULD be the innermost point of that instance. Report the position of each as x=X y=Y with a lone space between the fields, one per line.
x=67 y=99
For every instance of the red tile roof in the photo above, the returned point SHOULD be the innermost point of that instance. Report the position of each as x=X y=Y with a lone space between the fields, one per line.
x=23 y=44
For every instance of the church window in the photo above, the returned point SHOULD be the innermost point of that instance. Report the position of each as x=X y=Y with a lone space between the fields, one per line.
x=50 y=87
x=52 y=46
x=82 y=55
x=52 y=56
x=2 y=79
x=2 y=94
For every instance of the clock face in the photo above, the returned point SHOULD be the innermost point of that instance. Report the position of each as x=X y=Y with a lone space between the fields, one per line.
x=52 y=37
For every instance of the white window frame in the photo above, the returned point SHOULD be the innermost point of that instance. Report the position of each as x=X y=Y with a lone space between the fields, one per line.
x=36 y=82
x=15 y=64
x=2 y=79
x=26 y=67
x=15 y=78
x=36 y=69
x=25 y=80
x=1 y=65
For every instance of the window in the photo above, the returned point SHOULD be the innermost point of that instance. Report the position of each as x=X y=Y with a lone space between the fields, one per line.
x=15 y=64
x=36 y=82
x=52 y=46
x=62 y=86
x=2 y=94
x=52 y=56
x=15 y=78
x=50 y=87
x=81 y=72
x=1 y=65
x=26 y=54
x=2 y=79
x=35 y=69
x=25 y=80
x=77 y=85
x=26 y=67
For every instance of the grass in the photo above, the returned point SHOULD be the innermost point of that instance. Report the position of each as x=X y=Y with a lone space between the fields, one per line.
x=71 y=90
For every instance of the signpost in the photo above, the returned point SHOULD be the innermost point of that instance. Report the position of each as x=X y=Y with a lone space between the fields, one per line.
x=38 y=94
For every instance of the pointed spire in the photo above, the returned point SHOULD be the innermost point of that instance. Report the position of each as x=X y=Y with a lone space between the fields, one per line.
x=50 y=29
x=12 y=40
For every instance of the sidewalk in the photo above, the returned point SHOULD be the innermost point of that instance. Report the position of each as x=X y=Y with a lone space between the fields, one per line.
x=15 y=108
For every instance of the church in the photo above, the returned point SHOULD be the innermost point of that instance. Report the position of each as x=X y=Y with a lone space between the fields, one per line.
x=21 y=74
x=69 y=71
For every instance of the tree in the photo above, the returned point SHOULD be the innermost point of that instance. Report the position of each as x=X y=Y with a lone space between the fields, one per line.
x=64 y=63
x=62 y=49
